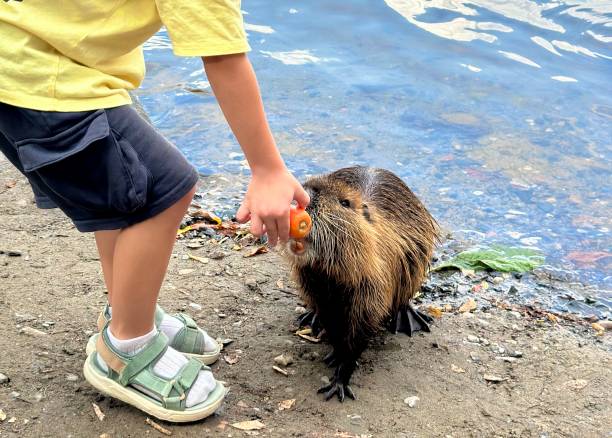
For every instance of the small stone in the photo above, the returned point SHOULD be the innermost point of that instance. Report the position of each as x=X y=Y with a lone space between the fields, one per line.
x=195 y=306
x=12 y=420
x=507 y=358
x=38 y=397
x=516 y=314
x=300 y=310
x=411 y=401
x=493 y=378
x=472 y=338
x=325 y=380
x=2 y=415
x=32 y=331
x=355 y=419
x=217 y=255
x=72 y=377
x=474 y=357
x=4 y=379
x=185 y=271
x=485 y=342
x=513 y=290
x=88 y=332
x=498 y=280
x=283 y=360
x=15 y=394
x=515 y=354
x=251 y=283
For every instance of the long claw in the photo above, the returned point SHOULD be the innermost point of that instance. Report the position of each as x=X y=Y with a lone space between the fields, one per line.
x=349 y=392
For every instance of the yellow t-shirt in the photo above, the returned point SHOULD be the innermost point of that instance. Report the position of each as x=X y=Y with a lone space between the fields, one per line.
x=78 y=55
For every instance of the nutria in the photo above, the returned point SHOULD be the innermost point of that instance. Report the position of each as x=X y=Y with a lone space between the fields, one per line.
x=364 y=260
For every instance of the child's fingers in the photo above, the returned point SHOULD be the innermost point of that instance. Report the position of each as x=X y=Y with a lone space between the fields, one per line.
x=282 y=225
x=243 y=214
x=256 y=226
x=272 y=232
x=301 y=197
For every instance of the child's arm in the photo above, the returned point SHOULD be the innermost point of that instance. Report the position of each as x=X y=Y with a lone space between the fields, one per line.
x=272 y=187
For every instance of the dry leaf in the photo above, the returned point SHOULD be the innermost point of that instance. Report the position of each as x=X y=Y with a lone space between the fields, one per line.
x=249 y=425
x=231 y=358
x=286 y=404
x=280 y=370
x=259 y=250
x=468 y=306
x=207 y=216
x=456 y=369
x=98 y=412
x=552 y=317
x=304 y=331
x=157 y=427
x=434 y=311
x=198 y=259
x=598 y=328
x=309 y=338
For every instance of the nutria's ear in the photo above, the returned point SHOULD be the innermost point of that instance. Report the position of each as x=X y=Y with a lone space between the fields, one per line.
x=366 y=212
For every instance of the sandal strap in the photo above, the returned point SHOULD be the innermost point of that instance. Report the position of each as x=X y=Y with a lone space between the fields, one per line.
x=138 y=370
x=189 y=338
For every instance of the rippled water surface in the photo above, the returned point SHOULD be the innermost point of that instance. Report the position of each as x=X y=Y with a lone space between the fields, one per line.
x=497 y=113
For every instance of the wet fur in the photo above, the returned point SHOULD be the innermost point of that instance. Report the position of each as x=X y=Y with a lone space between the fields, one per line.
x=366 y=256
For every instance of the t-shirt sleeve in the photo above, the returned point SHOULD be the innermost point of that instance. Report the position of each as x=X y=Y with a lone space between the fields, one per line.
x=204 y=27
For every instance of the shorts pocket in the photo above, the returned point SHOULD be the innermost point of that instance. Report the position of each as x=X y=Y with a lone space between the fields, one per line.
x=89 y=167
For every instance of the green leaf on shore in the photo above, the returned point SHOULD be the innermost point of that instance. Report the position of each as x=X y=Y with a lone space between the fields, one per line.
x=496 y=258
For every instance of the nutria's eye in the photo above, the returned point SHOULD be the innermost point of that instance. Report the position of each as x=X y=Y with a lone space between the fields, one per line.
x=345 y=203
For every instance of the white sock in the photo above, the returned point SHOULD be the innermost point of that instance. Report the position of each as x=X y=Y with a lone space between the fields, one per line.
x=168 y=366
x=171 y=326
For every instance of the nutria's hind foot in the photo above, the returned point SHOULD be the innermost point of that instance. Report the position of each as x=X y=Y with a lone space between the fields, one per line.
x=339 y=385
x=409 y=320
x=310 y=319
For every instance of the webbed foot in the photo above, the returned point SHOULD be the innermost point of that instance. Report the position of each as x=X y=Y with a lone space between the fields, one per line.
x=338 y=388
x=409 y=320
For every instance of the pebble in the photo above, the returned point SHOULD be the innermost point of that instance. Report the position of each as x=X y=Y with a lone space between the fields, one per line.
x=474 y=357
x=15 y=394
x=32 y=331
x=325 y=380
x=498 y=280
x=251 y=283
x=513 y=290
x=195 y=306
x=472 y=338
x=411 y=401
x=507 y=358
x=185 y=271
x=2 y=415
x=217 y=255
x=355 y=419
x=300 y=310
x=4 y=379
x=72 y=377
x=493 y=378
x=283 y=360
x=516 y=314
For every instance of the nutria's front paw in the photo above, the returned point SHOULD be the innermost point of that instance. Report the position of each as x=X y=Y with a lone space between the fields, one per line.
x=310 y=319
x=338 y=388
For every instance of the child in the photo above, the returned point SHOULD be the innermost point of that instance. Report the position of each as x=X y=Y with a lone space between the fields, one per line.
x=66 y=124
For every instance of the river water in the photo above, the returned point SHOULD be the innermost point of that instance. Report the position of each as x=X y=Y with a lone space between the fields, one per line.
x=498 y=114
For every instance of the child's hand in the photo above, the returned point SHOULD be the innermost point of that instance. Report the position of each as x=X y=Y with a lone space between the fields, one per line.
x=267 y=204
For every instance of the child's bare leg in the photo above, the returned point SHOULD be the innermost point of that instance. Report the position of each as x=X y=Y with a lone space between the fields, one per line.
x=140 y=260
x=105 y=241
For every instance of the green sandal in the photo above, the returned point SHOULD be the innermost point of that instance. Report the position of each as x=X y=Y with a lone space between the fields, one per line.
x=189 y=340
x=164 y=399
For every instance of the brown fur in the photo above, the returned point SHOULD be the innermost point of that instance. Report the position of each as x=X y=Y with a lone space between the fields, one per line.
x=380 y=247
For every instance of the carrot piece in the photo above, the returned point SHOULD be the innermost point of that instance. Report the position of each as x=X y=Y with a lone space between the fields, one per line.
x=300 y=222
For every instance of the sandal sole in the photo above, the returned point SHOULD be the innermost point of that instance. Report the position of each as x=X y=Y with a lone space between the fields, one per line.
x=206 y=359
x=140 y=401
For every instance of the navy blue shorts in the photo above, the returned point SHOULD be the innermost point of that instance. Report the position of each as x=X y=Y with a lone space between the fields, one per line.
x=105 y=169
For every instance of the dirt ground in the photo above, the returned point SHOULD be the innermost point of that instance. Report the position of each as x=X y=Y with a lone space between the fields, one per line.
x=555 y=378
